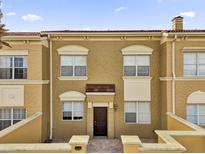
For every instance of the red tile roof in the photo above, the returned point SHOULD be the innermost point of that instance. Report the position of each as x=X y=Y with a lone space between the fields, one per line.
x=100 y=88
x=45 y=33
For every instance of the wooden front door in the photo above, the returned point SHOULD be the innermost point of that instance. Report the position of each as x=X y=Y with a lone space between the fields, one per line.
x=100 y=121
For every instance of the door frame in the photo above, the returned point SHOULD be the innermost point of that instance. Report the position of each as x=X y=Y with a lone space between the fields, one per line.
x=106 y=109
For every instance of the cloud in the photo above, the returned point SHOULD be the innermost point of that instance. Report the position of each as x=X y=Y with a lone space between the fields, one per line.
x=190 y=14
x=87 y=28
x=32 y=17
x=119 y=9
x=25 y=30
x=11 y=14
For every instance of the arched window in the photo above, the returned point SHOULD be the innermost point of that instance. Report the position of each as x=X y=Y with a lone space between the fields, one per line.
x=196 y=108
x=73 y=61
x=72 y=108
x=136 y=60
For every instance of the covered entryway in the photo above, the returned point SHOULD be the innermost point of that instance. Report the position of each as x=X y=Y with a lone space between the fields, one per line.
x=100 y=121
x=100 y=110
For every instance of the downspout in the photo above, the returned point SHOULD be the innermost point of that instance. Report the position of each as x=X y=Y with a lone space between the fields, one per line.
x=51 y=90
x=173 y=74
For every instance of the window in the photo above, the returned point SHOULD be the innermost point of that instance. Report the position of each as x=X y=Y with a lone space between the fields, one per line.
x=136 y=65
x=194 y=64
x=72 y=110
x=196 y=114
x=13 y=67
x=73 y=66
x=11 y=116
x=137 y=112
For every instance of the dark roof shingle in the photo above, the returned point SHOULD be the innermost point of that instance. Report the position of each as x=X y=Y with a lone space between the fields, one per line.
x=100 y=88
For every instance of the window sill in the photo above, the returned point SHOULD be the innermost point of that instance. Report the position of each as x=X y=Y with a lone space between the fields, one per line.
x=22 y=81
x=73 y=78
x=136 y=77
x=72 y=120
x=127 y=123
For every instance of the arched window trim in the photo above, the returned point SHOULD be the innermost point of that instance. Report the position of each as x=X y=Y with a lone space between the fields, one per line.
x=197 y=97
x=136 y=50
x=72 y=96
x=72 y=50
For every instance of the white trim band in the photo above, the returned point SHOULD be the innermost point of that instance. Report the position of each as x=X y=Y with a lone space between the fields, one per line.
x=24 y=82
x=13 y=52
x=100 y=93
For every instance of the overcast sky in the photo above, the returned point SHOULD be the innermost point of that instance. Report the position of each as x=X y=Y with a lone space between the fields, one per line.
x=38 y=15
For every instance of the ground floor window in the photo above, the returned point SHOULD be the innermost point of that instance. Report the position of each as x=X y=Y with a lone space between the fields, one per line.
x=10 y=116
x=137 y=112
x=196 y=114
x=72 y=110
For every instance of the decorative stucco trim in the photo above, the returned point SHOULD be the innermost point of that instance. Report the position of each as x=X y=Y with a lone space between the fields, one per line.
x=193 y=49
x=197 y=97
x=72 y=96
x=13 y=52
x=183 y=78
x=72 y=50
x=22 y=82
x=137 y=49
x=73 y=78
x=100 y=93
x=100 y=104
x=136 y=77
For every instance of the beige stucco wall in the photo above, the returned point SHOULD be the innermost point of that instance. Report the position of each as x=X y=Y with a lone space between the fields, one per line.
x=105 y=65
x=28 y=133
x=36 y=96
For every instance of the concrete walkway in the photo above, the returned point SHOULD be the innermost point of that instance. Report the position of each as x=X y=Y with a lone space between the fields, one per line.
x=104 y=145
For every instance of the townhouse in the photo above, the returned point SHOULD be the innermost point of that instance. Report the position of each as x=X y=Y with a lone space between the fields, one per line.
x=103 y=83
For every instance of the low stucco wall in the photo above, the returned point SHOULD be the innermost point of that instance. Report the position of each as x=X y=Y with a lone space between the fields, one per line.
x=174 y=124
x=181 y=136
x=25 y=131
x=193 y=141
x=36 y=148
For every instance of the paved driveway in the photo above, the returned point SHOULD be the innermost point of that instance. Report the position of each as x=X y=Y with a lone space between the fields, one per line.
x=104 y=145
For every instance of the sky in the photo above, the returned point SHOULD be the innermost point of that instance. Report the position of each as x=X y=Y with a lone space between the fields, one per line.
x=40 y=15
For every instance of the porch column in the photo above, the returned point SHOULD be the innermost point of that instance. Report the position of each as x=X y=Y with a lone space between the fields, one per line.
x=90 y=120
x=111 y=121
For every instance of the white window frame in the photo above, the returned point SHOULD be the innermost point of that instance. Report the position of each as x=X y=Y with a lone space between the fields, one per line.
x=137 y=113
x=72 y=119
x=12 y=115
x=136 y=75
x=13 y=66
x=197 y=113
x=73 y=58
x=197 y=64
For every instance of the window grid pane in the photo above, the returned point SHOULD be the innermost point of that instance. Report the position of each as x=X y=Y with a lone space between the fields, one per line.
x=11 y=116
x=194 y=64
x=73 y=66
x=136 y=65
x=6 y=65
x=72 y=110
x=137 y=112
x=13 y=67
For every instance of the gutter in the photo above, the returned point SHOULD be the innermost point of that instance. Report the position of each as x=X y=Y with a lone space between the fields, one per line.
x=173 y=74
x=51 y=90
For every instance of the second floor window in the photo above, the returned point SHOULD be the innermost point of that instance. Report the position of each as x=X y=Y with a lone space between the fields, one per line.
x=194 y=64
x=136 y=65
x=13 y=67
x=73 y=66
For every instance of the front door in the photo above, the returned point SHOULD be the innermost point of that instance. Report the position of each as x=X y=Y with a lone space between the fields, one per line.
x=100 y=121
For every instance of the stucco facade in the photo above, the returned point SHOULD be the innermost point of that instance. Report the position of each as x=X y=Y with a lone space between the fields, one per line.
x=166 y=89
